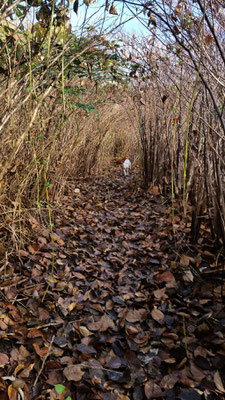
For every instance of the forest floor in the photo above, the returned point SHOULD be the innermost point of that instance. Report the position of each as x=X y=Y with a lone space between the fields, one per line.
x=132 y=310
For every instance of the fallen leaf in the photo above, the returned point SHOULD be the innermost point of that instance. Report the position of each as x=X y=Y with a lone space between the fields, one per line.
x=102 y=325
x=73 y=372
x=160 y=294
x=197 y=373
x=4 y=359
x=131 y=330
x=114 y=362
x=78 y=275
x=26 y=371
x=72 y=306
x=184 y=260
x=189 y=394
x=218 y=382
x=188 y=276
x=152 y=390
x=202 y=362
x=155 y=190
x=85 y=349
x=34 y=333
x=166 y=276
x=169 y=381
x=43 y=314
x=40 y=351
x=157 y=315
x=136 y=315
x=12 y=393
x=33 y=249
x=84 y=331
x=18 y=383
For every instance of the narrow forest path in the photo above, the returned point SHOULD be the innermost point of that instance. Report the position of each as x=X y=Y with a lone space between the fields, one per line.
x=128 y=314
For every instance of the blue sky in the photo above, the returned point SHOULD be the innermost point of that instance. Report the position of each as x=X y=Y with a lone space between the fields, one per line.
x=95 y=14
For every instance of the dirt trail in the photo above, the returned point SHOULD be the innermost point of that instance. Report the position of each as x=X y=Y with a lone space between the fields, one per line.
x=127 y=314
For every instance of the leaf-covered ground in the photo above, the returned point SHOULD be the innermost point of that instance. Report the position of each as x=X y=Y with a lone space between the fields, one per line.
x=132 y=311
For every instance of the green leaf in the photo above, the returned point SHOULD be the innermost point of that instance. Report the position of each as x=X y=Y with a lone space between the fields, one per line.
x=39 y=203
x=52 y=72
x=22 y=8
x=41 y=137
x=19 y=14
x=60 y=389
x=20 y=52
x=69 y=90
x=87 y=107
x=114 y=56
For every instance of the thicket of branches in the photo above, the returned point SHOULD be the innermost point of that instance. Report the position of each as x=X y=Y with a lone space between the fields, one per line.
x=183 y=139
x=70 y=103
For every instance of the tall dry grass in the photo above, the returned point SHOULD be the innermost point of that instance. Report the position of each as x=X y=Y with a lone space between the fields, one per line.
x=47 y=141
x=59 y=147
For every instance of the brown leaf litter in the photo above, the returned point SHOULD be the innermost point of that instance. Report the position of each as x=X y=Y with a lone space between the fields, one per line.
x=132 y=312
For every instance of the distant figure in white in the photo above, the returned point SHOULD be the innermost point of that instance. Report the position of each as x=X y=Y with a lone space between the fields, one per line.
x=126 y=167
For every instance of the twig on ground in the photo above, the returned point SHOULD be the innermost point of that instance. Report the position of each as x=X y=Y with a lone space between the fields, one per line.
x=44 y=361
